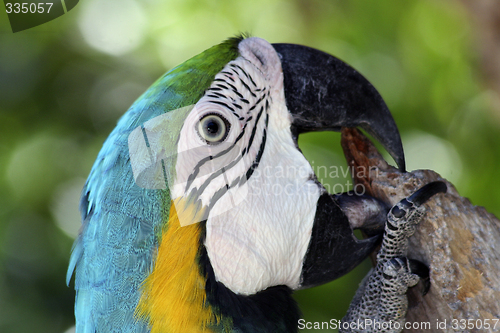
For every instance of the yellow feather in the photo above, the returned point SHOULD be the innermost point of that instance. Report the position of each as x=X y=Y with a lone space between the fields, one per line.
x=173 y=296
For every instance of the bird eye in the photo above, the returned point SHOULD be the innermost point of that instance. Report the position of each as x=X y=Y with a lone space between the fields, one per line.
x=213 y=128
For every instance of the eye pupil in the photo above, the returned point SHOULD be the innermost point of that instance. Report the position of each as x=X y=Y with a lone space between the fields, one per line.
x=213 y=128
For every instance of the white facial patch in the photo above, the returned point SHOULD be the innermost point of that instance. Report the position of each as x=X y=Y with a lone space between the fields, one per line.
x=214 y=174
x=262 y=241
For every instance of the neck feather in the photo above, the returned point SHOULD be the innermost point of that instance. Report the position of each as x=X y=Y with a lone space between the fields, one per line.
x=173 y=295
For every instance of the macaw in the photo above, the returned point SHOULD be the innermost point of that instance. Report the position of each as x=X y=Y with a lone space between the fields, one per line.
x=201 y=214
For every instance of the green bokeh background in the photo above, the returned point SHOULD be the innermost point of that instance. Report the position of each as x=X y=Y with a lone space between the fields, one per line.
x=64 y=84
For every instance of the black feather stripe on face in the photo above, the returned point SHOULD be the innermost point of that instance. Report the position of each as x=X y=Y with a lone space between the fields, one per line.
x=224 y=92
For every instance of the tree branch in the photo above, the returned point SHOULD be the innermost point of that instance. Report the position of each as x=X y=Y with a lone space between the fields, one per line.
x=459 y=242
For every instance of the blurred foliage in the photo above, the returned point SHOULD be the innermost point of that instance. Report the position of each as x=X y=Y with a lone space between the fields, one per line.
x=64 y=84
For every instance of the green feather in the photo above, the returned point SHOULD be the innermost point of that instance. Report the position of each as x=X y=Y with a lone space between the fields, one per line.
x=193 y=77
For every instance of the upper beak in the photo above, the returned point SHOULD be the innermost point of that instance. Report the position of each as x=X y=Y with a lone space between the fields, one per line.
x=324 y=93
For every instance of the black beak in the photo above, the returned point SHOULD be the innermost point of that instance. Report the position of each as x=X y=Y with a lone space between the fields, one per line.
x=324 y=93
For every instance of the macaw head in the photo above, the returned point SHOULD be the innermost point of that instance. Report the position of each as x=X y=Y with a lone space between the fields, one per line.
x=202 y=186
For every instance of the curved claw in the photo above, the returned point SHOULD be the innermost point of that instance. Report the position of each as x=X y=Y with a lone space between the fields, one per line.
x=426 y=192
x=417 y=199
x=421 y=269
